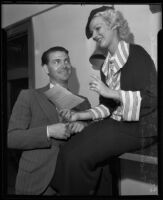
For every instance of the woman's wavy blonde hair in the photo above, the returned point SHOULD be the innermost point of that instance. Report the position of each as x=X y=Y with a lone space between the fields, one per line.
x=115 y=18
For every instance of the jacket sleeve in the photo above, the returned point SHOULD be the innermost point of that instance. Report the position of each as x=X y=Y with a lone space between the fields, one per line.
x=139 y=96
x=20 y=135
x=141 y=99
x=149 y=93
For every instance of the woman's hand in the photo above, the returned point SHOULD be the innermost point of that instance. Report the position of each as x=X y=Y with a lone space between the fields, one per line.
x=68 y=115
x=76 y=127
x=98 y=86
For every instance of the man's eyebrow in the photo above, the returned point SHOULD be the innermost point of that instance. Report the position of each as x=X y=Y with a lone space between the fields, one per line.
x=55 y=59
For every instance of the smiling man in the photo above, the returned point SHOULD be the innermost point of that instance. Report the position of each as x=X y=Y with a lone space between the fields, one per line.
x=57 y=65
x=37 y=130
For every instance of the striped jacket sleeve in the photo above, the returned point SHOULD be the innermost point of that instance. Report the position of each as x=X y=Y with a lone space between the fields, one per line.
x=131 y=103
x=99 y=112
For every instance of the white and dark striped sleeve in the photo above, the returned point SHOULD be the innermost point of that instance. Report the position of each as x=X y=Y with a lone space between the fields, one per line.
x=99 y=112
x=131 y=102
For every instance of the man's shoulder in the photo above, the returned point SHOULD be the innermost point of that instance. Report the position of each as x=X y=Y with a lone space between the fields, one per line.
x=30 y=91
x=27 y=93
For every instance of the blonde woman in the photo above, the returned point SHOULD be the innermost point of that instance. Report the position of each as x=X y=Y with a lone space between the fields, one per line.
x=125 y=118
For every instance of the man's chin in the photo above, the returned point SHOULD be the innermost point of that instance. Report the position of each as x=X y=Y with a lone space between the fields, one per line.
x=65 y=78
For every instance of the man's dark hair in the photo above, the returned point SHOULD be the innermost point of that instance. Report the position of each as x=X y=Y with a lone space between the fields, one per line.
x=45 y=55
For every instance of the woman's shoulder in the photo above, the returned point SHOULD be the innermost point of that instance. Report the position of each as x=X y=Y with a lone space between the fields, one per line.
x=140 y=57
x=136 y=48
x=139 y=53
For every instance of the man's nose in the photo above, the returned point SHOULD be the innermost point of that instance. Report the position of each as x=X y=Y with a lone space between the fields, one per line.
x=64 y=65
x=94 y=35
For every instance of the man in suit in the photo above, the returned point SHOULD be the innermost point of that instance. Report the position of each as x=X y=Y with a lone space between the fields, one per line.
x=36 y=128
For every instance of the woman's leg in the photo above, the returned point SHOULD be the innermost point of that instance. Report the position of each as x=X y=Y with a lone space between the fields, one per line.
x=80 y=159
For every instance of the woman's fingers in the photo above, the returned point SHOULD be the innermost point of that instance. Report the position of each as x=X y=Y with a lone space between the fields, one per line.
x=65 y=113
x=94 y=89
x=94 y=86
x=76 y=127
x=95 y=77
x=93 y=83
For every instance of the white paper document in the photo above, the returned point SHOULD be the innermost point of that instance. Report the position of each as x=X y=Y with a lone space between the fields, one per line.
x=63 y=98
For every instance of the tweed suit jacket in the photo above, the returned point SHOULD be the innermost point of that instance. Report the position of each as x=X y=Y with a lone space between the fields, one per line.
x=27 y=131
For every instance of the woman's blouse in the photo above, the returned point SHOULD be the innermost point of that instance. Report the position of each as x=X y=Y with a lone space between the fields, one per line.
x=129 y=107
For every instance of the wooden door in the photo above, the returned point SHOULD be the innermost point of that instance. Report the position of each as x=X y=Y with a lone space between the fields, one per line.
x=19 y=60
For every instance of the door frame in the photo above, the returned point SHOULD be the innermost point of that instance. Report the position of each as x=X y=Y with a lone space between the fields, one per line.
x=14 y=30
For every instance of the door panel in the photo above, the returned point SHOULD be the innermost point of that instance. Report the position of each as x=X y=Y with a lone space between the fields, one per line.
x=20 y=75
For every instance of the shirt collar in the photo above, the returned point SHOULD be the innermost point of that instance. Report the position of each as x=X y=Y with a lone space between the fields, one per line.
x=51 y=85
x=119 y=58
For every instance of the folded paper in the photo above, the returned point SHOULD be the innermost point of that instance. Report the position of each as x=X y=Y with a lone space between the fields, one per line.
x=63 y=98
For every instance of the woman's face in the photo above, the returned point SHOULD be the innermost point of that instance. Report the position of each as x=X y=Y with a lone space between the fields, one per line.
x=102 y=34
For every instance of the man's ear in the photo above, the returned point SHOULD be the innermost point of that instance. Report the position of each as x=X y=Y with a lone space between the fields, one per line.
x=45 y=69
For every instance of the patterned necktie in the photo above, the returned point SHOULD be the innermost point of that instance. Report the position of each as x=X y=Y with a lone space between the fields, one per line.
x=112 y=78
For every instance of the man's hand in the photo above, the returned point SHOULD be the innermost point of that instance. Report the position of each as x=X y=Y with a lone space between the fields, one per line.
x=76 y=127
x=59 y=131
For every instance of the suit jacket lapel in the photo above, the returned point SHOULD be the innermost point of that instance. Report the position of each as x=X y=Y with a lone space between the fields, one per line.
x=48 y=108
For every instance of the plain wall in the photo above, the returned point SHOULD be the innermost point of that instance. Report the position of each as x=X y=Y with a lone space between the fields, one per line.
x=65 y=26
x=12 y=13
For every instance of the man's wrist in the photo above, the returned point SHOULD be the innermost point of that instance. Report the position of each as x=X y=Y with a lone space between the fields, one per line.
x=47 y=132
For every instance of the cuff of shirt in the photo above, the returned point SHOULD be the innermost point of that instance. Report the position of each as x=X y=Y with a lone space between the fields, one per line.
x=47 y=131
x=99 y=112
x=131 y=102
